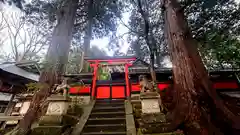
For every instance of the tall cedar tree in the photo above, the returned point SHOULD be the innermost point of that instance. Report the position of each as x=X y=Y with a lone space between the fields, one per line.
x=56 y=60
x=197 y=104
x=88 y=31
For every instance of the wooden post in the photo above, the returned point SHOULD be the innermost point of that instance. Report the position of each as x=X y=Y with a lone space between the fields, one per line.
x=127 y=80
x=95 y=66
x=9 y=109
x=10 y=105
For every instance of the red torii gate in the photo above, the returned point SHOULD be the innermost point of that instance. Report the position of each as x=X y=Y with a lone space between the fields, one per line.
x=95 y=62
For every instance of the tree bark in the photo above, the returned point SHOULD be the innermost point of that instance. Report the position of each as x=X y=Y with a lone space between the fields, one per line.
x=56 y=59
x=197 y=103
x=88 y=33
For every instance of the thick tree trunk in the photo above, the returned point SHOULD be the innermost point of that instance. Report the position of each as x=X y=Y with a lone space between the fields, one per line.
x=56 y=59
x=197 y=103
x=88 y=33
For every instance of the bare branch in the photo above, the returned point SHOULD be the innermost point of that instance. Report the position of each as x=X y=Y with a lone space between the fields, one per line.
x=26 y=40
x=131 y=30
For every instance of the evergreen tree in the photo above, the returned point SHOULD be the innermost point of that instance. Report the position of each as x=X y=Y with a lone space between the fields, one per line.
x=197 y=104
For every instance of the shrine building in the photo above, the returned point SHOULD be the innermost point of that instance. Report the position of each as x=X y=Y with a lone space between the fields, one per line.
x=117 y=77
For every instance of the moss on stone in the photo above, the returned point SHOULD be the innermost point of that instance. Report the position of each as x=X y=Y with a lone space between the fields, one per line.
x=153 y=118
x=57 y=120
x=75 y=110
x=170 y=133
x=154 y=128
x=137 y=106
x=47 y=130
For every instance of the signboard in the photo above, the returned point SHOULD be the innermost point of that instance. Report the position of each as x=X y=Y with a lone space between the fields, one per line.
x=113 y=67
x=139 y=69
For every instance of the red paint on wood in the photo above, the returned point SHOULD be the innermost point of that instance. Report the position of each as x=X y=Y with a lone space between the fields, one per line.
x=163 y=86
x=103 y=92
x=79 y=90
x=118 y=92
x=127 y=80
x=225 y=85
x=112 y=60
x=135 y=87
x=95 y=67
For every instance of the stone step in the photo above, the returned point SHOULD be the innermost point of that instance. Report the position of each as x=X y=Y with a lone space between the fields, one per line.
x=106 y=121
x=105 y=133
x=166 y=133
x=108 y=108
x=47 y=130
x=105 y=128
x=109 y=100
x=109 y=104
x=118 y=114
x=154 y=128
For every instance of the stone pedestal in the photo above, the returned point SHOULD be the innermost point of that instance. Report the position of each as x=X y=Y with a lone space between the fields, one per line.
x=58 y=105
x=150 y=102
x=56 y=118
x=151 y=112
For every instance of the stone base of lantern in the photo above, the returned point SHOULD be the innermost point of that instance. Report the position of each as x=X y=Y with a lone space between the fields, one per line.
x=56 y=119
x=152 y=119
x=150 y=102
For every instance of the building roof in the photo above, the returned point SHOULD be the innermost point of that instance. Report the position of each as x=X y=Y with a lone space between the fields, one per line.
x=13 y=69
x=109 y=58
x=140 y=62
x=30 y=66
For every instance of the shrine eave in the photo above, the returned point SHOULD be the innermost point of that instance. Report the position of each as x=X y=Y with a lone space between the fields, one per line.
x=79 y=75
x=169 y=70
x=13 y=69
x=109 y=58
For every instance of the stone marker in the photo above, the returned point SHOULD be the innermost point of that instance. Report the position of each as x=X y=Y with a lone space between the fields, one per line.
x=58 y=105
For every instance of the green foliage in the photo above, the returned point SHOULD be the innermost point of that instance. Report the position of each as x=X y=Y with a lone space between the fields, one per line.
x=33 y=87
x=224 y=50
x=103 y=75
x=17 y=3
x=216 y=29
x=77 y=84
x=152 y=10
x=214 y=24
x=104 y=16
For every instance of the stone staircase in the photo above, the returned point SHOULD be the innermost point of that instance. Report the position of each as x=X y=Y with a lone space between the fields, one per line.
x=107 y=118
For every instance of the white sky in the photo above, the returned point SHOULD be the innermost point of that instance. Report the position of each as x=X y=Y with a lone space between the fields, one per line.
x=101 y=43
